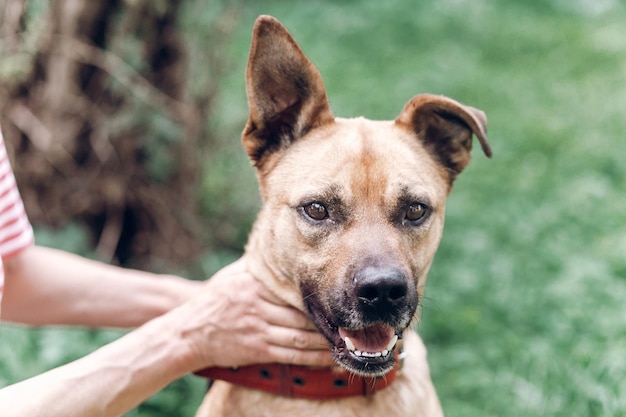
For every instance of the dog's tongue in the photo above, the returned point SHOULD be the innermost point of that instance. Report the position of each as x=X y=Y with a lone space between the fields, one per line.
x=374 y=338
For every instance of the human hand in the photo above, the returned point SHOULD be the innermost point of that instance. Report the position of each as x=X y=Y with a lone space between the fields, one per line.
x=236 y=321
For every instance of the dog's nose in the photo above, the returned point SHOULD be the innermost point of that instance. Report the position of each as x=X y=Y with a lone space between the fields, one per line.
x=381 y=287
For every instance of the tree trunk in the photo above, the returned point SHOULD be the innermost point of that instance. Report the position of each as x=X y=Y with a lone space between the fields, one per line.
x=99 y=126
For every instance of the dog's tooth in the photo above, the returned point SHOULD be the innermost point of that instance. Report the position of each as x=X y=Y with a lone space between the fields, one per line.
x=364 y=354
x=392 y=342
x=349 y=344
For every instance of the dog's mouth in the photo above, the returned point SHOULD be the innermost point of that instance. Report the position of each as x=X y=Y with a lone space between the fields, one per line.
x=366 y=351
x=375 y=342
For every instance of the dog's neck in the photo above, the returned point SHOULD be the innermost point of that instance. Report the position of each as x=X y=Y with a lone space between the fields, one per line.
x=269 y=273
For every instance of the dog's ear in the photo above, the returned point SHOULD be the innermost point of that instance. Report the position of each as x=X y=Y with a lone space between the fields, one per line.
x=446 y=127
x=286 y=95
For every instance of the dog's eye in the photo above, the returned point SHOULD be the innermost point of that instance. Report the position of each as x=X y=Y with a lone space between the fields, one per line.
x=416 y=212
x=316 y=211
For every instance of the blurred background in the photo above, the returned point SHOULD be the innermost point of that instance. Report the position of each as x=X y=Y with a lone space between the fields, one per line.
x=122 y=121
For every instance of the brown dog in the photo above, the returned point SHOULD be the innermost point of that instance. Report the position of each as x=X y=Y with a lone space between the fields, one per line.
x=353 y=212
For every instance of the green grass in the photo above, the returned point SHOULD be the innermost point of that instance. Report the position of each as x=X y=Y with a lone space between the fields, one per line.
x=525 y=311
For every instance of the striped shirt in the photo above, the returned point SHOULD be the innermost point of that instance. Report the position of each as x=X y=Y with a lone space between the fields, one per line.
x=16 y=233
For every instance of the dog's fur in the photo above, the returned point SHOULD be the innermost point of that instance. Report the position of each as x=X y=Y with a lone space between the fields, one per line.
x=353 y=212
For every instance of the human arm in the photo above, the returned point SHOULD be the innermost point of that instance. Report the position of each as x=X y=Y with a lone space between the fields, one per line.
x=108 y=382
x=233 y=320
x=47 y=286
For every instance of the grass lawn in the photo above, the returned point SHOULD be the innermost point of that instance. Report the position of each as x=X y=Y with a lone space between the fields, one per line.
x=525 y=312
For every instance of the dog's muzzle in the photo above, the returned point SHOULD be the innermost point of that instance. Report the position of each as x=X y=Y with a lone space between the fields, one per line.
x=366 y=318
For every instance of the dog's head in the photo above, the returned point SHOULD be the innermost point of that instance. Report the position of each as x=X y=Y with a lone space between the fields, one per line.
x=353 y=209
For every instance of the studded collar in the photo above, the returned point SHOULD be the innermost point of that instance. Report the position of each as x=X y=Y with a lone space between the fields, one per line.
x=303 y=382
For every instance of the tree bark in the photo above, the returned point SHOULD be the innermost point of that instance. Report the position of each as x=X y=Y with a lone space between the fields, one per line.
x=83 y=121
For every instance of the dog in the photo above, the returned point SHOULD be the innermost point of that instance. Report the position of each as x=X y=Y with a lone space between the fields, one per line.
x=353 y=212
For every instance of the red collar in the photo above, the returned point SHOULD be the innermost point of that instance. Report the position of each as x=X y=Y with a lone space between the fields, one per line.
x=301 y=381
